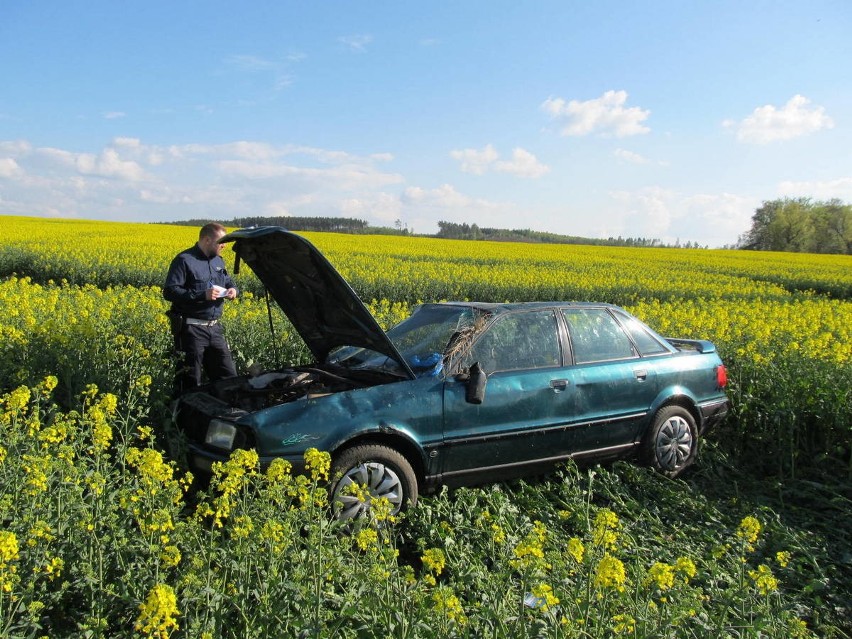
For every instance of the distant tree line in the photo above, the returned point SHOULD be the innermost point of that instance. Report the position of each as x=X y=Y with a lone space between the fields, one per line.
x=464 y=231
x=327 y=224
x=799 y=225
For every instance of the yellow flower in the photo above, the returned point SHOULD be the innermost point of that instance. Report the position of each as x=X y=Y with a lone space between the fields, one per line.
x=661 y=576
x=447 y=604
x=748 y=531
x=367 y=539
x=101 y=436
x=544 y=594
x=278 y=470
x=686 y=567
x=623 y=624
x=529 y=553
x=498 y=534
x=605 y=529
x=170 y=556
x=317 y=463
x=8 y=547
x=157 y=615
x=54 y=567
x=242 y=527
x=434 y=560
x=763 y=579
x=18 y=399
x=797 y=628
x=49 y=383
x=610 y=573
x=783 y=558
x=8 y=554
x=576 y=549
x=36 y=471
x=382 y=509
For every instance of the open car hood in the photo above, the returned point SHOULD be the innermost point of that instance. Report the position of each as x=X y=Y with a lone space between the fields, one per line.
x=319 y=303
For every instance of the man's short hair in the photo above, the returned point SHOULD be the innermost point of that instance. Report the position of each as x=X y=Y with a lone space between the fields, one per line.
x=211 y=229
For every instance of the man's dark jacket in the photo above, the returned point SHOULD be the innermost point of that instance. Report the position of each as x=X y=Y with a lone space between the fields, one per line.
x=191 y=273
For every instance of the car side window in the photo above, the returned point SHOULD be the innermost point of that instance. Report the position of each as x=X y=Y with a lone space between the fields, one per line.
x=519 y=341
x=596 y=336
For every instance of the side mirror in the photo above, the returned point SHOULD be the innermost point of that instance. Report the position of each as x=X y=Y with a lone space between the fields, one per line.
x=475 y=391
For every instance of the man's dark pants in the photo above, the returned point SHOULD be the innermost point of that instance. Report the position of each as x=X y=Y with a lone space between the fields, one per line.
x=204 y=349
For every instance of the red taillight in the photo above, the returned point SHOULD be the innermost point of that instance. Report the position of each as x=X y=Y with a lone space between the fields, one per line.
x=721 y=376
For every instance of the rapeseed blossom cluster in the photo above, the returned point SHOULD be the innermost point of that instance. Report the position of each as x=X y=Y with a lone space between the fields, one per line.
x=447 y=604
x=605 y=531
x=661 y=576
x=764 y=580
x=748 y=532
x=529 y=553
x=610 y=573
x=230 y=478
x=158 y=614
x=318 y=464
x=544 y=594
x=8 y=555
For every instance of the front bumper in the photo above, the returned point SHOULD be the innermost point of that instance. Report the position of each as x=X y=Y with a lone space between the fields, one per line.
x=202 y=458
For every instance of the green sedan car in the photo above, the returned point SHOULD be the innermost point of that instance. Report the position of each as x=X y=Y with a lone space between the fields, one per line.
x=459 y=393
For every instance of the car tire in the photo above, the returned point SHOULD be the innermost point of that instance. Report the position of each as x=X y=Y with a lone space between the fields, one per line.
x=384 y=471
x=671 y=443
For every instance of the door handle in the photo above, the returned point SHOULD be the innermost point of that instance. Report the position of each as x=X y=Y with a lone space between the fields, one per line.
x=559 y=385
x=641 y=374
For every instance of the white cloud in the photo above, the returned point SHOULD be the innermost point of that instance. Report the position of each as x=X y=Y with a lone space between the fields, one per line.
x=249 y=63
x=114 y=115
x=606 y=115
x=769 y=124
x=131 y=180
x=356 y=42
x=476 y=161
x=841 y=188
x=275 y=71
x=15 y=147
x=654 y=212
x=479 y=162
x=522 y=164
x=109 y=164
x=9 y=168
x=630 y=156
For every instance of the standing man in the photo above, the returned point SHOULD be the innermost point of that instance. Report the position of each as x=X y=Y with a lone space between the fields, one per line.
x=197 y=285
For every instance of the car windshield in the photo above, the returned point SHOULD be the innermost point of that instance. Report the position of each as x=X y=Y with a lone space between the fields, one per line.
x=422 y=340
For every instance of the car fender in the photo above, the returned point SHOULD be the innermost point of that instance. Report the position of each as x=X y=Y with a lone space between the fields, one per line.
x=675 y=394
x=396 y=435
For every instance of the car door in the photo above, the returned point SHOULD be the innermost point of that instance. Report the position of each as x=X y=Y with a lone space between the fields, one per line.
x=521 y=420
x=613 y=387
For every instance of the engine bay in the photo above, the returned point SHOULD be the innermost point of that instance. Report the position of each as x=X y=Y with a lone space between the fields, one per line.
x=270 y=388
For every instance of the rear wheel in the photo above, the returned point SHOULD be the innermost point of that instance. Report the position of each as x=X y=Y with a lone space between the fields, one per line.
x=672 y=440
x=368 y=472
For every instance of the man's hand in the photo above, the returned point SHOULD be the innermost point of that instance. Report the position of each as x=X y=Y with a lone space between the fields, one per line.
x=218 y=291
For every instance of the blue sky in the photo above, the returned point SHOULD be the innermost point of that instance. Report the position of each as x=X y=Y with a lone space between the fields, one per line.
x=671 y=120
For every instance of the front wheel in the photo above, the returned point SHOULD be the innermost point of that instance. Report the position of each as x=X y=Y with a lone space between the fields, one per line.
x=369 y=472
x=672 y=440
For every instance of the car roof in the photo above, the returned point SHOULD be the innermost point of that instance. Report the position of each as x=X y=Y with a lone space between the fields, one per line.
x=496 y=308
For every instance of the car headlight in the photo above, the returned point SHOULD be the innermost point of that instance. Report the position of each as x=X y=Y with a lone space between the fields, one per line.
x=221 y=434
